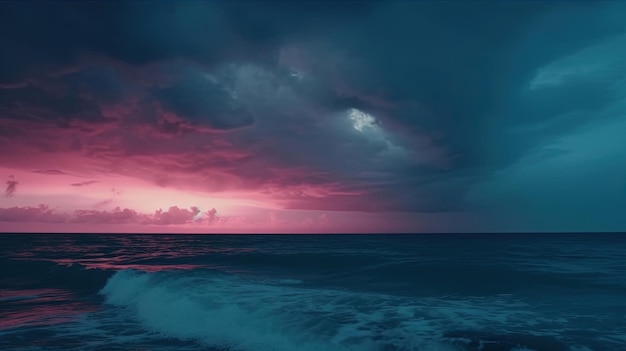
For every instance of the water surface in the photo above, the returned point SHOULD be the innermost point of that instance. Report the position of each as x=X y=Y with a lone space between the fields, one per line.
x=543 y=292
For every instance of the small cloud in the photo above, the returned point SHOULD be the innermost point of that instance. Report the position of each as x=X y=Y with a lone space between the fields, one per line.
x=11 y=187
x=85 y=183
x=103 y=203
x=114 y=193
x=49 y=171
x=175 y=215
x=210 y=216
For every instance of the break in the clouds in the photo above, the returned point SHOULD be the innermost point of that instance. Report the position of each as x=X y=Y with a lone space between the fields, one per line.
x=320 y=116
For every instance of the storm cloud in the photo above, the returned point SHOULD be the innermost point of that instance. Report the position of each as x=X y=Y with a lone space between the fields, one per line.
x=511 y=112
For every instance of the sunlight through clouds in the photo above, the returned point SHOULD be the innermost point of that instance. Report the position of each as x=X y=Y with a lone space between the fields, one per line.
x=361 y=120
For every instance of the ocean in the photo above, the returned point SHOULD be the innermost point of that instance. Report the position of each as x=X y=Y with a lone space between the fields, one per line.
x=427 y=292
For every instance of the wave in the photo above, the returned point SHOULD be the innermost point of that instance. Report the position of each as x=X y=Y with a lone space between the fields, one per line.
x=232 y=313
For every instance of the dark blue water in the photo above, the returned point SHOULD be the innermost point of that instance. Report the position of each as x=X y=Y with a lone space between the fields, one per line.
x=333 y=292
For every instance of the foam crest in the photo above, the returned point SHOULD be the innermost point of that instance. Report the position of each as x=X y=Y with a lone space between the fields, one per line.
x=207 y=311
x=236 y=314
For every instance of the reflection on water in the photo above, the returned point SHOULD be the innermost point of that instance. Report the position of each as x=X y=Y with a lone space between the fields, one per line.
x=32 y=307
x=143 y=252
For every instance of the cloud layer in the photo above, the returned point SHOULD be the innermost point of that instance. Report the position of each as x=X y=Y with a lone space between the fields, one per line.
x=511 y=113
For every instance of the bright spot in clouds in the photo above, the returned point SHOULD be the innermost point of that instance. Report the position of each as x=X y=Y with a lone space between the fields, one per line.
x=361 y=120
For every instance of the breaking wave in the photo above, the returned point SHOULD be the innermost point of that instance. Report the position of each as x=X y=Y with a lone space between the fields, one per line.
x=233 y=313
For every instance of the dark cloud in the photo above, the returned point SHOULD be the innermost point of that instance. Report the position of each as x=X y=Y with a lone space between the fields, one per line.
x=85 y=183
x=53 y=36
x=95 y=83
x=368 y=106
x=198 y=100
x=35 y=103
x=49 y=171
x=11 y=187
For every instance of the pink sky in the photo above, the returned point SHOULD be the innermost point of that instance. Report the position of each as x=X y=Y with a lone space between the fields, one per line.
x=79 y=199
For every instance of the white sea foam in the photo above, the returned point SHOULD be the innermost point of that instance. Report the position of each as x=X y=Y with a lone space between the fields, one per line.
x=242 y=315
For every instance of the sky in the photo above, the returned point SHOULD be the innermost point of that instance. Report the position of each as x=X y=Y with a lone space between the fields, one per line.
x=313 y=117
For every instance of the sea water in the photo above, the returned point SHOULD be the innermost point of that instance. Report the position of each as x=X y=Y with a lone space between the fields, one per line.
x=427 y=292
